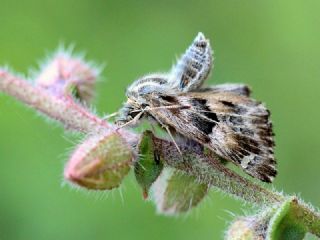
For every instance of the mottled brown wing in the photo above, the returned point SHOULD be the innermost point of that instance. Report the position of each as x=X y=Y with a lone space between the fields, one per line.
x=235 y=127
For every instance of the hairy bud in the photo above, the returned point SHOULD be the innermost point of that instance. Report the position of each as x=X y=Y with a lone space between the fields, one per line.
x=101 y=162
x=277 y=222
x=246 y=228
x=66 y=75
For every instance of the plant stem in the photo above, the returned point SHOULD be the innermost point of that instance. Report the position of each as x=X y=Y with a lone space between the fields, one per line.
x=207 y=168
x=64 y=109
x=210 y=170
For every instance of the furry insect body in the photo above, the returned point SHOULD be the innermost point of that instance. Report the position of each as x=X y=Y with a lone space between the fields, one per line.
x=194 y=66
x=223 y=118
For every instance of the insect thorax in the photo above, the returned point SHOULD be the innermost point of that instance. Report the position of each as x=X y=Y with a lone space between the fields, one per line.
x=154 y=83
x=138 y=94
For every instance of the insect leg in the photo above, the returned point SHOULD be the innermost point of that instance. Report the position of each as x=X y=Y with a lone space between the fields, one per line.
x=110 y=116
x=132 y=121
x=164 y=125
x=173 y=140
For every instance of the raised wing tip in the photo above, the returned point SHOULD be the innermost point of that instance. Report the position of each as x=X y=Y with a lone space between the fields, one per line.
x=200 y=37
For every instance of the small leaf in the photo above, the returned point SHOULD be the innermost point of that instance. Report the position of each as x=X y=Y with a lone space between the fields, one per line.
x=284 y=225
x=175 y=192
x=149 y=165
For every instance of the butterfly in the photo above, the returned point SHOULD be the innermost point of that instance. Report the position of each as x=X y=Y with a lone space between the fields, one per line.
x=223 y=118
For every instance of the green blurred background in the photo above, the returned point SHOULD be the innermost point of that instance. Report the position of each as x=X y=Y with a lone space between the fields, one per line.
x=271 y=45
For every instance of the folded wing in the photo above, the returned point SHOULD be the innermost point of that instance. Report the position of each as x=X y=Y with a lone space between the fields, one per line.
x=234 y=126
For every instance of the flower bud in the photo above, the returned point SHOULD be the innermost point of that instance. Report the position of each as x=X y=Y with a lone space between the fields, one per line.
x=66 y=75
x=276 y=222
x=100 y=162
x=247 y=228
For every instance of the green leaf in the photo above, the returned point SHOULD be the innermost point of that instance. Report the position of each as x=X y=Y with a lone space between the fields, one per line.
x=281 y=221
x=284 y=224
x=175 y=192
x=149 y=165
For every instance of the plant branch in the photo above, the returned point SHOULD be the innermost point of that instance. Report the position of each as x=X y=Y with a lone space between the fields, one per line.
x=194 y=161
x=63 y=109
x=209 y=169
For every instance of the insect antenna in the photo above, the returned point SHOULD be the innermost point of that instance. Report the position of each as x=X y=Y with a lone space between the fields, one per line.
x=110 y=116
x=164 y=107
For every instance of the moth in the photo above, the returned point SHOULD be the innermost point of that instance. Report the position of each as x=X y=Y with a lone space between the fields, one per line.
x=223 y=118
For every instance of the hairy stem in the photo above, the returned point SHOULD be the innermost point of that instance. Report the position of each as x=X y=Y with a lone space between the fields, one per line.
x=64 y=109
x=209 y=169
x=193 y=161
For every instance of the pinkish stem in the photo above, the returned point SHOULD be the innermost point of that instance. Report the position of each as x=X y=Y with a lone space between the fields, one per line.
x=66 y=110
